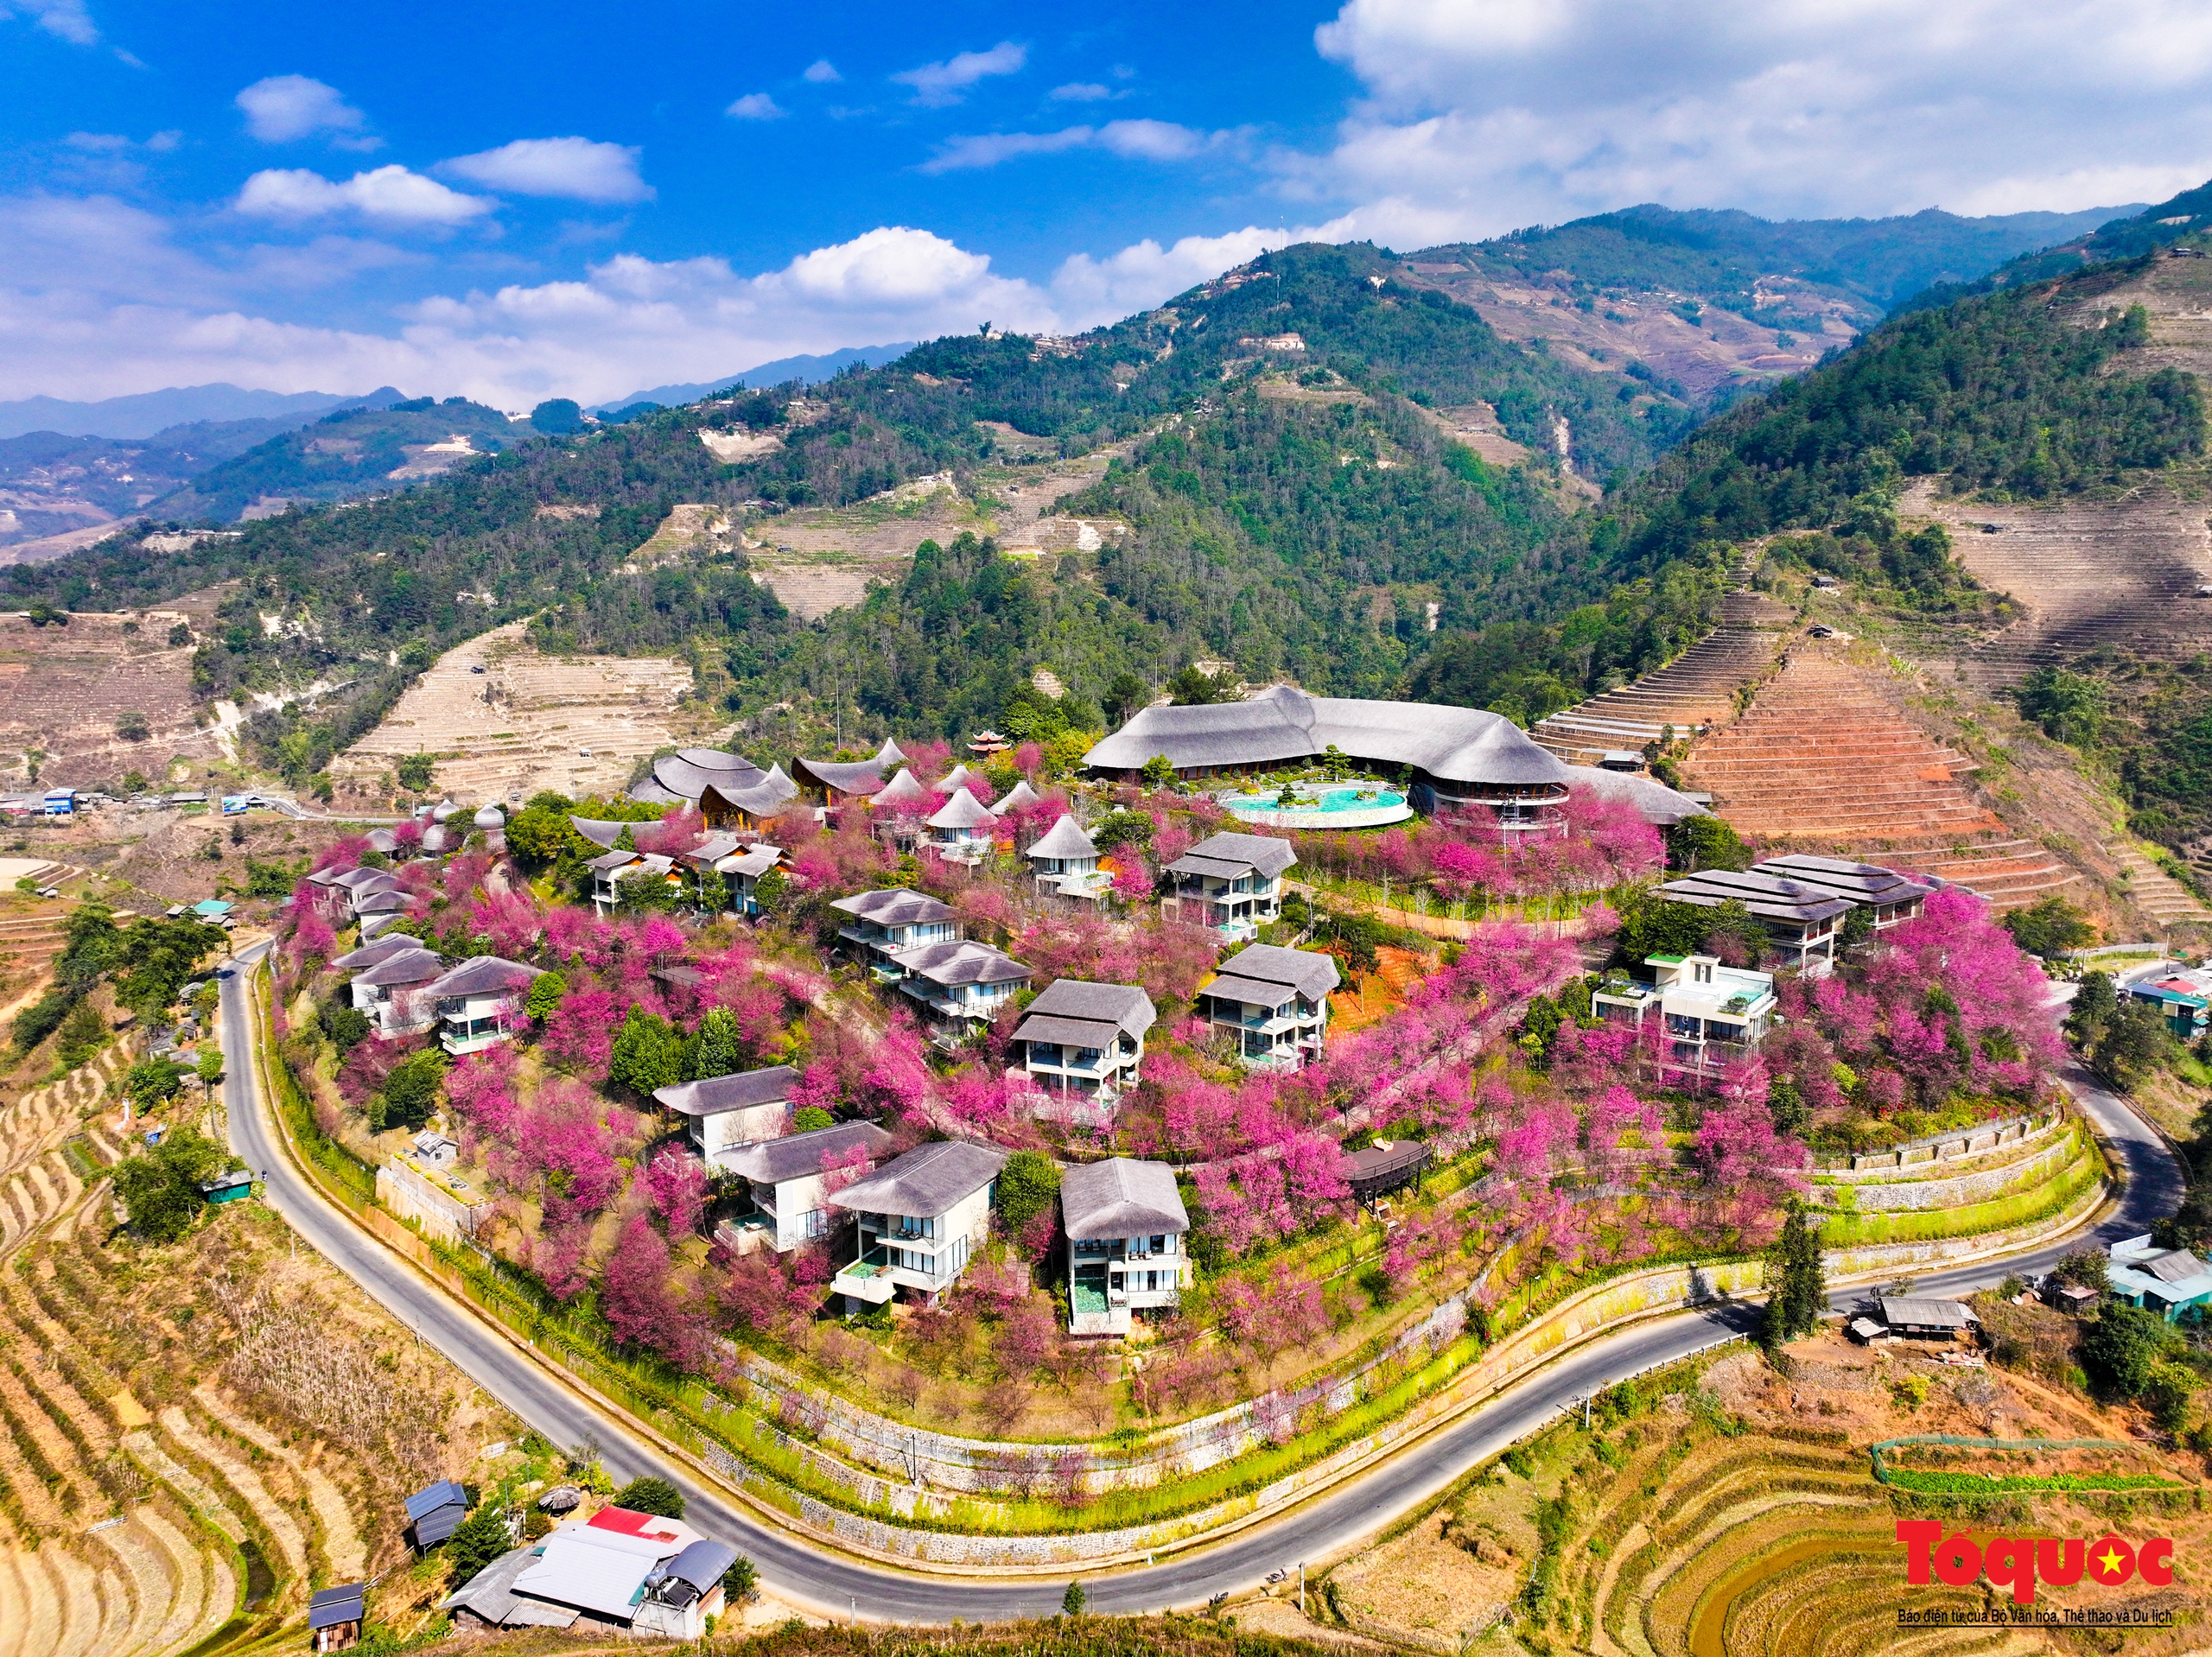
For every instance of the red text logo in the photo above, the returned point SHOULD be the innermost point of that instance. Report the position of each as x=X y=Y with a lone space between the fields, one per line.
x=2020 y=1562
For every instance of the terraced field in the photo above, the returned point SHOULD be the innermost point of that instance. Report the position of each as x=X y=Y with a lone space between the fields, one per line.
x=1727 y=1511
x=1697 y=689
x=1825 y=759
x=529 y=721
x=162 y=1488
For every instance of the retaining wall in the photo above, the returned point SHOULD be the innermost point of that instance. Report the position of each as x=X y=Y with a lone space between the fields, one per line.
x=1960 y=1191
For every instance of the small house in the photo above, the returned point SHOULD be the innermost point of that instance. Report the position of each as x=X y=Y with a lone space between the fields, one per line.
x=962 y=829
x=435 y=1513
x=883 y=923
x=2168 y=1281
x=727 y=803
x=1125 y=1226
x=1063 y=860
x=1230 y=882
x=393 y=992
x=434 y=1149
x=919 y=1217
x=479 y=1003
x=742 y=873
x=610 y=869
x=1799 y=920
x=1923 y=1319
x=234 y=1186
x=334 y=1618
x=1273 y=1001
x=958 y=987
x=1713 y=1016
x=1082 y=1038
x=1889 y=897
x=724 y=1112
x=638 y=1577
x=790 y=1178
x=1866 y=1331
x=2181 y=997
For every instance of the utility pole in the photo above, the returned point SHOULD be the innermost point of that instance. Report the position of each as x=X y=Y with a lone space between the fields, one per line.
x=1301 y=1588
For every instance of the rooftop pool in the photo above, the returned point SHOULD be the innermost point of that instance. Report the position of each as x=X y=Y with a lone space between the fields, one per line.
x=1334 y=805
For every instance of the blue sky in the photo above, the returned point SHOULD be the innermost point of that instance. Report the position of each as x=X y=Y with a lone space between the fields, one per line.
x=517 y=202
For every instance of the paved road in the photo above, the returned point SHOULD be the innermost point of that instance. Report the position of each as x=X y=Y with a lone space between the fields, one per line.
x=800 y=1570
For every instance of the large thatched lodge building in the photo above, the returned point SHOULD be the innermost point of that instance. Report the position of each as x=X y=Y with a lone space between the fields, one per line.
x=1455 y=757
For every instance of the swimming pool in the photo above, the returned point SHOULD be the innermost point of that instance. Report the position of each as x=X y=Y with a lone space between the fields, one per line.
x=1331 y=805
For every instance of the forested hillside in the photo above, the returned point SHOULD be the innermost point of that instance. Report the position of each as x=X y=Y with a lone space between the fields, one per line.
x=2126 y=237
x=1291 y=469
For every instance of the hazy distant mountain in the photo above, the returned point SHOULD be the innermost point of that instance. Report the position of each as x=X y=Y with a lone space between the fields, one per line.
x=148 y=412
x=809 y=369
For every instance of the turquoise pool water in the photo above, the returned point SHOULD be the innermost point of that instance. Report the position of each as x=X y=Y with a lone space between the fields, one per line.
x=1327 y=799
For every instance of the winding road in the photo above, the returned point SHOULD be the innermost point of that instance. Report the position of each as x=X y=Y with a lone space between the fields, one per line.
x=803 y=1571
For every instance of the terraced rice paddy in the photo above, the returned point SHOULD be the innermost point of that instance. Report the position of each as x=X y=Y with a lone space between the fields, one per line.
x=156 y=1495
x=1732 y=1514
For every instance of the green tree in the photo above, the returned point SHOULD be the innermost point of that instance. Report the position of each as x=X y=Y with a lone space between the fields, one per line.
x=558 y=417
x=2070 y=707
x=480 y=1539
x=2120 y=1346
x=210 y=1067
x=739 y=1582
x=1158 y=772
x=650 y=1495
x=718 y=1049
x=2050 y=927
x=540 y=834
x=807 y=1118
x=1193 y=689
x=546 y=993
x=160 y=1188
x=1074 y=1600
x=1652 y=925
x=2096 y=1004
x=153 y=1082
x=1117 y=829
x=416 y=771
x=648 y=1053
x=411 y=1089
x=2134 y=1046
x=2167 y=1393
x=1797 y=1288
x=1705 y=842
x=346 y=1026
x=1125 y=694
x=1028 y=1185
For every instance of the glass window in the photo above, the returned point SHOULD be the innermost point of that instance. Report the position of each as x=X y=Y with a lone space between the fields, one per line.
x=1159 y=1245
x=816 y=1221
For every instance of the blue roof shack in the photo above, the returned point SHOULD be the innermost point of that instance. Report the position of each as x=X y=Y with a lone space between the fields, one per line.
x=334 y=1617
x=59 y=803
x=233 y=1187
x=435 y=1513
x=210 y=909
x=2182 y=1000
x=2165 y=1280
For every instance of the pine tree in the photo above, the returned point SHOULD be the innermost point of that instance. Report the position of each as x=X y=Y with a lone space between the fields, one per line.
x=1797 y=1287
x=481 y=1538
x=1074 y=1600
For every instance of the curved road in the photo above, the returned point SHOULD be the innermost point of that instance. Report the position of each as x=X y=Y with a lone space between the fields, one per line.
x=800 y=1570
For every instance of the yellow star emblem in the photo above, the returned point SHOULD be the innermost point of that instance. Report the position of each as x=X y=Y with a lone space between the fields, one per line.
x=2110 y=1561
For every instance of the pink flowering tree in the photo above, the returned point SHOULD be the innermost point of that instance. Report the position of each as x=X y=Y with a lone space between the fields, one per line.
x=676 y=1187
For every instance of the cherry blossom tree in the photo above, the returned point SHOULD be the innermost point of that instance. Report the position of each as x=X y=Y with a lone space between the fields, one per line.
x=675 y=1186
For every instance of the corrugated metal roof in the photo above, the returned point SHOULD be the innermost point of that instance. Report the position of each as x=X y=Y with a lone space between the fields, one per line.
x=330 y=1608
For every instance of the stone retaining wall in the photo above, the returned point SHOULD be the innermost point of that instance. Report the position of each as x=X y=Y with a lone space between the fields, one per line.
x=1983 y=1185
x=1940 y=1147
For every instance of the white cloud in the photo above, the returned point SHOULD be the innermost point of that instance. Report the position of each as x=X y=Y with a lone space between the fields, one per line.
x=1483 y=114
x=70 y=20
x=1081 y=92
x=98 y=142
x=101 y=301
x=755 y=106
x=391 y=194
x=821 y=71
x=284 y=107
x=1142 y=140
x=1092 y=291
x=937 y=85
x=575 y=168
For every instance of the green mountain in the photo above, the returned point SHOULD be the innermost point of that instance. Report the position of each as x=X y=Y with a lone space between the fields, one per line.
x=1719 y=257
x=2124 y=238
x=1294 y=457
x=347 y=455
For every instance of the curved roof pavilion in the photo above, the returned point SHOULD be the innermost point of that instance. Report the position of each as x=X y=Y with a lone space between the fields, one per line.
x=1463 y=752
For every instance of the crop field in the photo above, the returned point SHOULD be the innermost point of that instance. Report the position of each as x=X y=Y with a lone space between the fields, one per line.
x=193 y=1437
x=1718 y=1510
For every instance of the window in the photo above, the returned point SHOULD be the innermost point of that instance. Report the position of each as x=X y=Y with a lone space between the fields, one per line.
x=815 y=1222
x=1159 y=1246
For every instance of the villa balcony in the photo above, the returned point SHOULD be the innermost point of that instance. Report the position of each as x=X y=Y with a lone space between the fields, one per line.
x=866 y=1279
